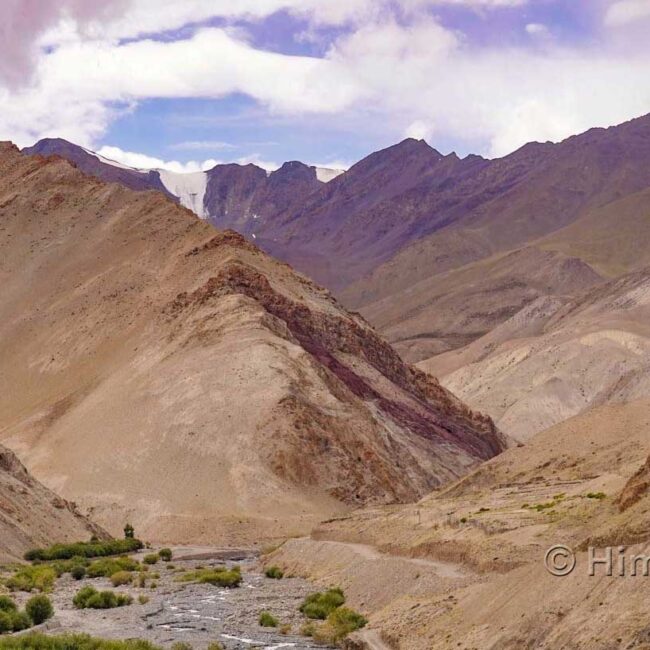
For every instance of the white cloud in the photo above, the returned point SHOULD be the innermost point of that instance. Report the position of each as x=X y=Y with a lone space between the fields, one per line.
x=420 y=130
x=412 y=76
x=537 y=29
x=144 y=161
x=625 y=12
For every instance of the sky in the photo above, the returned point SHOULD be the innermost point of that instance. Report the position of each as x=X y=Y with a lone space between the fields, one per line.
x=185 y=84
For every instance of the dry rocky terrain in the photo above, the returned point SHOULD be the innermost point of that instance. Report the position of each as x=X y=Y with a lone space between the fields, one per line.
x=464 y=567
x=157 y=371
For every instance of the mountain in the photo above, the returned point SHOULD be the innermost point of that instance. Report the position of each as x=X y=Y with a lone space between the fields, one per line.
x=158 y=370
x=32 y=516
x=564 y=197
x=229 y=196
x=98 y=166
x=557 y=358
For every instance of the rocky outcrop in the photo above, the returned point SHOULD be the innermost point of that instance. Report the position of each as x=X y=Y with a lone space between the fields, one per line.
x=31 y=515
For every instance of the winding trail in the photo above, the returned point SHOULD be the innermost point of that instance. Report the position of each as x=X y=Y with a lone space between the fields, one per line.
x=367 y=552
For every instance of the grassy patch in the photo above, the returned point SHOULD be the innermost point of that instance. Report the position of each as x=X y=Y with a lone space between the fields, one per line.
x=268 y=620
x=71 y=642
x=219 y=576
x=107 y=567
x=89 y=597
x=321 y=604
x=274 y=572
x=33 y=578
x=84 y=549
x=596 y=495
x=341 y=622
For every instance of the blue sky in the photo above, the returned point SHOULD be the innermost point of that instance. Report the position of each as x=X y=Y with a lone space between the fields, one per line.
x=188 y=83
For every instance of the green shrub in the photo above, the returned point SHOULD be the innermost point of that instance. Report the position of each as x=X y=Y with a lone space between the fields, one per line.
x=20 y=621
x=105 y=568
x=89 y=597
x=142 y=599
x=596 y=495
x=6 y=622
x=141 y=580
x=152 y=558
x=344 y=621
x=78 y=572
x=274 y=572
x=219 y=576
x=121 y=578
x=81 y=597
x=7 y=604
x=341 y=622
x=85 y=549
x=71 y=642
x=14 y=621
x=39 y=609
x=215 y=645
x=29 y=578
x=268 y=620
x=129 y=532
x=165 y=554
x=321 y=604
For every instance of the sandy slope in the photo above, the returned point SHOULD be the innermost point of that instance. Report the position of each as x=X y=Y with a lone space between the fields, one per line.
x=162 y=372
x=557 y=357
x=489 y=523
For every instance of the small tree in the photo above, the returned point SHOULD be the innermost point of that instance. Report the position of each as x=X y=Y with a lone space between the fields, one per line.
x=129 y=532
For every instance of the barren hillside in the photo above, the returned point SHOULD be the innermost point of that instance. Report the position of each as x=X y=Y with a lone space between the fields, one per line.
x=33 y=516
x=160 y=371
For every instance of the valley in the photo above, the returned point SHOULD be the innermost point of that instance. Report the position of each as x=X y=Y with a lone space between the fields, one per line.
x=424 y=468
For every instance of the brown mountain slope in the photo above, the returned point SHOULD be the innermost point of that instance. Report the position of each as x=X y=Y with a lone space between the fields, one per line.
x=474 y=552
x=164 y=372
x=33 y=516
x=454 y=308
x=557 y=358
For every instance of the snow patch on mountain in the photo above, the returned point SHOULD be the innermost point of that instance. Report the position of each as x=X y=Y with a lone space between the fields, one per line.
x=189 y=188
x=325 y=175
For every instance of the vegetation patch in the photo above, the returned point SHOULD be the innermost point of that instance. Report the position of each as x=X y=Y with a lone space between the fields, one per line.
x=596 y=495
x=268 y=620
x=107 y=567
x=152 y=558
x=165 y=554
x=321 y=604
x=274 y=572
x=219 y=576
x=89 y=598
x=37 y=610
x=84 y=549
x=341 y=622
x=33 y=578
x=71 y=642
